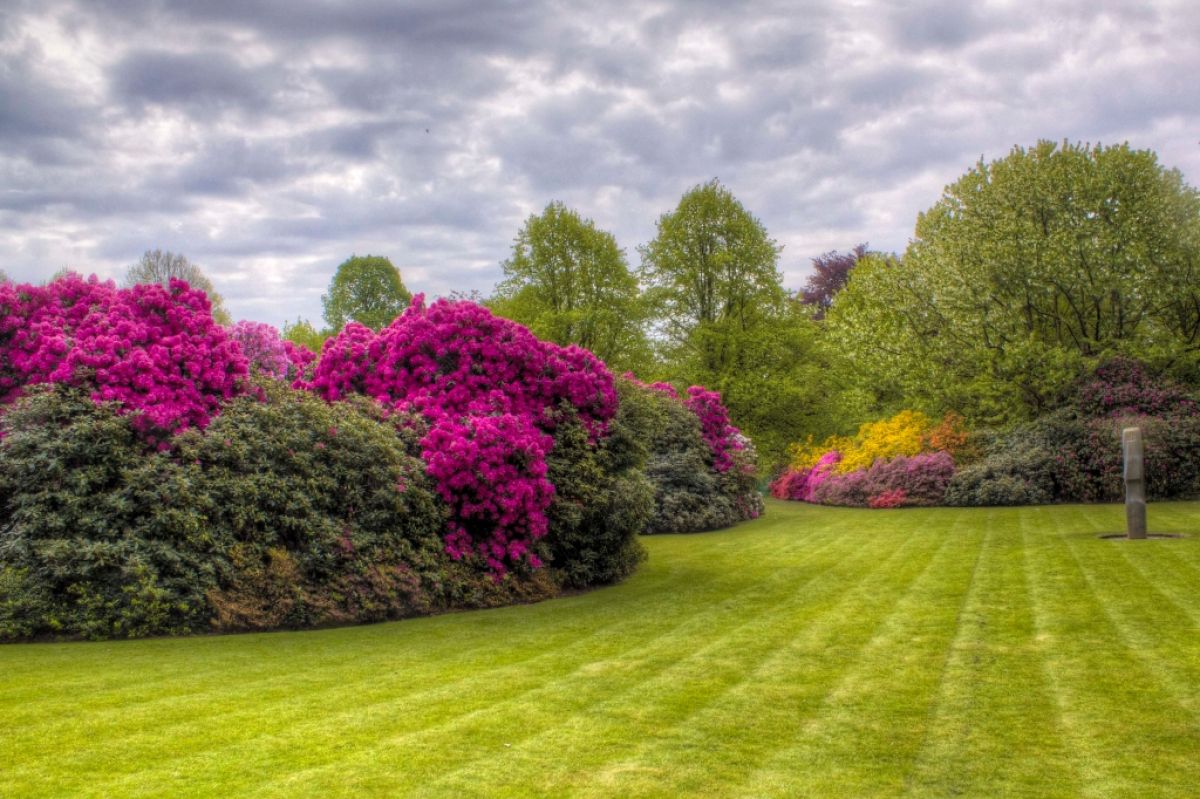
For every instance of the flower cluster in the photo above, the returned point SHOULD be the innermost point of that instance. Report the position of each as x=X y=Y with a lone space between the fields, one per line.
x=263 y=348
x=801 y=484
x=659 y=386
x=490 y=391
x=723 y=439
x=153 y=350
x=491 y=471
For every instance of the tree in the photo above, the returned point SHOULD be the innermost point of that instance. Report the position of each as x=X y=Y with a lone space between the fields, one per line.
x=158 y=266
x=3 y=276
x=568 y=282
x=302 y=332
x=1028 y=272
x=366 y=289
x=831 y=272
x=711 y=274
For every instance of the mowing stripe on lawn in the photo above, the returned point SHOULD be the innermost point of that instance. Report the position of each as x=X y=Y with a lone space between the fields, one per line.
x=814 y=652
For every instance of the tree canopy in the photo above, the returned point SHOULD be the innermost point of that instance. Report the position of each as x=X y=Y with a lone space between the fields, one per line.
x=159 y=266
x=569 y=282
x=366 y=289
x=1029 y=270
x=710 y=272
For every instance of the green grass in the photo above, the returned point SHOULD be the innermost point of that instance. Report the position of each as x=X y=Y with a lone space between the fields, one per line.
x=814 y=652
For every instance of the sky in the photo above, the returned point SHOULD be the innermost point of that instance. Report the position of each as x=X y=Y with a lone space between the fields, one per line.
x=269 y=140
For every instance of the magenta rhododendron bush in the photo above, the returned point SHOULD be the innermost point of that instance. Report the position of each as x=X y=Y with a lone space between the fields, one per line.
x=153 y=350
x=722 y=437
x=269 y=354
x=491 y=392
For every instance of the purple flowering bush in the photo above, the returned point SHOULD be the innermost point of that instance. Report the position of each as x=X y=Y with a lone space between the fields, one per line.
x=493 y=395
x=888 y=483
x=153 y=351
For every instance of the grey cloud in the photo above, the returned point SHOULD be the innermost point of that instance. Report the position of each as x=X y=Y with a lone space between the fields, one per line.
x=268 y=140
x=211 y=80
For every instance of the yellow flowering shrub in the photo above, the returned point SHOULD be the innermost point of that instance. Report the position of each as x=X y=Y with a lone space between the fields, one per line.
x=906 y=433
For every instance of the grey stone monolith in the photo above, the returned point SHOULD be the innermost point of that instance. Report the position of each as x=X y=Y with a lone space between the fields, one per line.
x=1135 y=482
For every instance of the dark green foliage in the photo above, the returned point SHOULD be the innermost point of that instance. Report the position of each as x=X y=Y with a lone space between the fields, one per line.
x=98 y=537
x=602 y=501
x=284 y=512
x=323 y=513
x=1062 y=457
x=1003 y=479
x=688 y=495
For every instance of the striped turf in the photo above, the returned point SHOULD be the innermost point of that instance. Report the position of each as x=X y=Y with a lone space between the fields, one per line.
x=814 y=652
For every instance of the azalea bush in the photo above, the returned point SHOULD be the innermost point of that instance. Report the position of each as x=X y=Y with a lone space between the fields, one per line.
x=154 y=352
x=900 y=461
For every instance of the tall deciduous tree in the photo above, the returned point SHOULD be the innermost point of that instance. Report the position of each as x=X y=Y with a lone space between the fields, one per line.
x=1028 y=271
x=366 y=289
x=725 y=320
x=711 y=274
x=569 y=282
x=159 y=266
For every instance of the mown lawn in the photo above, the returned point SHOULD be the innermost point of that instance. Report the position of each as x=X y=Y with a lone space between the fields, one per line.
x=815 y=652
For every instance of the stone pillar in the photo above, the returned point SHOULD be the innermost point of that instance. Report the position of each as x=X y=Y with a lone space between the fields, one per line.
x=1135 y=482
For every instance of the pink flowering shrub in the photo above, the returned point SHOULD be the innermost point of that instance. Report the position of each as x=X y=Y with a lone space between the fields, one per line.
x=154 y=351
x=800 y=484
x=491 y=471
x=300 y=360
x=901 y=481
x=719 y=434
x=263 y=348
x=892 y=498
x=491 y=391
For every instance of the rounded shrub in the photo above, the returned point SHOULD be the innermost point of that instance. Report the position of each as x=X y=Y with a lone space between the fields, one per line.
x=99 y=537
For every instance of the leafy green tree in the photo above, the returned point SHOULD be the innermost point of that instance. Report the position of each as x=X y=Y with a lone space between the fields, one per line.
x=159 y=266
x=1028 y=271
x=302 y=332
x=711 y=274
x=366 y=289
x=726 y=322
x=568 y=282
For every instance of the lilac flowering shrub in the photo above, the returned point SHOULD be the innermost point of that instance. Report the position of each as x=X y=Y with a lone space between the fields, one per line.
x=153 y=351
x=262 y=347
x=492 y=395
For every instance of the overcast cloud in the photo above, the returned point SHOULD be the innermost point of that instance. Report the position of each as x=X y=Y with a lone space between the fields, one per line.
x=269 y=140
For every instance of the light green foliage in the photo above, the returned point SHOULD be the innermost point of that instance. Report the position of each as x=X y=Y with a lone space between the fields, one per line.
x=819 y=652
x=302 y=332
x=569 y=283
x=711 y=274
x=158 y=266
x=3 y=276
x=366 y=289
x=1026 y=272
x=726 y=322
